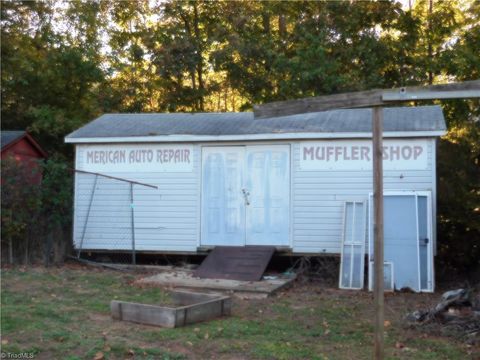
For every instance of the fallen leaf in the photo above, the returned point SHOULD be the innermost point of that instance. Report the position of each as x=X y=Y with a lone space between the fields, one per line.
x=99 y=356
x=326 y=332
x=4 y=342
x=196 y=329
x=189 y=343
x=107 y=348
x=387 y=323
x=206 y=336
x=399 y=345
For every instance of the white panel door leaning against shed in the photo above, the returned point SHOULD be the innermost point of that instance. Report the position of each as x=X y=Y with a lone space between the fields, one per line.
x=232 y=179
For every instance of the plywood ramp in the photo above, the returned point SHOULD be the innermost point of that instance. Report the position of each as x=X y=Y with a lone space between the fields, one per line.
x=245 y=263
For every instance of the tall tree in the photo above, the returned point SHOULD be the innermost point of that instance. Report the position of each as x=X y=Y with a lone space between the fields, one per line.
x=48 y=80
x=274 y=50
x=131 y=73
x=459 y=152
x=180 y=46
x=439 y=24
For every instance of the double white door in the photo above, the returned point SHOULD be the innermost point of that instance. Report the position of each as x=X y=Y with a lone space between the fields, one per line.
x=245 y=195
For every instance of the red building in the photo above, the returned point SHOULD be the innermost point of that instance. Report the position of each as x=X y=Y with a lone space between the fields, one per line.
x=19 y=145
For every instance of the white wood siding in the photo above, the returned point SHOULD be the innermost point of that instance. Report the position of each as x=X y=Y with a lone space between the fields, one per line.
x=166 y=219
x=318 y=199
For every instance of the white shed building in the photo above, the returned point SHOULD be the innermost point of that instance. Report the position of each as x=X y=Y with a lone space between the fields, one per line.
x=301 y=183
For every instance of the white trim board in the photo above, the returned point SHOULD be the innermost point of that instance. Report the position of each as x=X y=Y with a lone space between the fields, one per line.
x=251 y=137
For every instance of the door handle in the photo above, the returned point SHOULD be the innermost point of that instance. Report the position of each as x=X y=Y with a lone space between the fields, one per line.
x=424 y=241
x=246 y=194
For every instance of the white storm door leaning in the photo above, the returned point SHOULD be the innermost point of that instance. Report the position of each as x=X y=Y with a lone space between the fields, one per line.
x=223 y=204
x=407 y=239
x=267 y=188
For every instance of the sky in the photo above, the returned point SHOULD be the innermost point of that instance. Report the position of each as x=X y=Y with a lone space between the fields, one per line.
x=405 y=3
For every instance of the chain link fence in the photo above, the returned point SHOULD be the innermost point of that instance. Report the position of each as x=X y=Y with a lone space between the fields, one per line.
x=104 y=220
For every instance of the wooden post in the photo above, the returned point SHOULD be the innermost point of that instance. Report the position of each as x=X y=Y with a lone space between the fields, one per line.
x=377 y=125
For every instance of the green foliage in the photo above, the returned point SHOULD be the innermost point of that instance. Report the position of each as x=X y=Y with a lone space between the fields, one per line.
x=49 y=81
x=57 y=192
x=459 y=194
x=21 y=198
x=65 y=62
x=32 y=207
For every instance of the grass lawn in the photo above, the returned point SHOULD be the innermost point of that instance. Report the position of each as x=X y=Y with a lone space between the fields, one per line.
x=63 y=313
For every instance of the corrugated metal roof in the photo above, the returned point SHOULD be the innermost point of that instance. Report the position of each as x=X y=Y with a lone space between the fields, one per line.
x=10 y=136
x=400 y=119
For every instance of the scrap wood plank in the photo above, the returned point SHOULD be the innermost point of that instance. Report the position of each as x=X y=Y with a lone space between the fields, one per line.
x=369 y=98
x=247 y=263
x=143 y=313
x=186 y=280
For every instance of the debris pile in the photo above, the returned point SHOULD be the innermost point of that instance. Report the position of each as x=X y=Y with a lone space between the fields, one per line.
x=318 y=269
x=457 y=314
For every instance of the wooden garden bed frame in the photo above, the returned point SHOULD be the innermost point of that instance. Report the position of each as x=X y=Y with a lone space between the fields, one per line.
x=192 y=308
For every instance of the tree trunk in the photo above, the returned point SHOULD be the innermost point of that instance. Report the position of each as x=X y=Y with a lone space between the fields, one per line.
x=266 y=23
x=26 y=247
x=430 y=51
x=282 y=26
x=198 y=41
x=191 y=69
x=48 y=247
x=10 y=251
x=225 y=99
x=59 y=245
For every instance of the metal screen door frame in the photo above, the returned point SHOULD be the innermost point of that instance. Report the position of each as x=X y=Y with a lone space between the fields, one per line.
x=355 y=241
x=430 y=267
